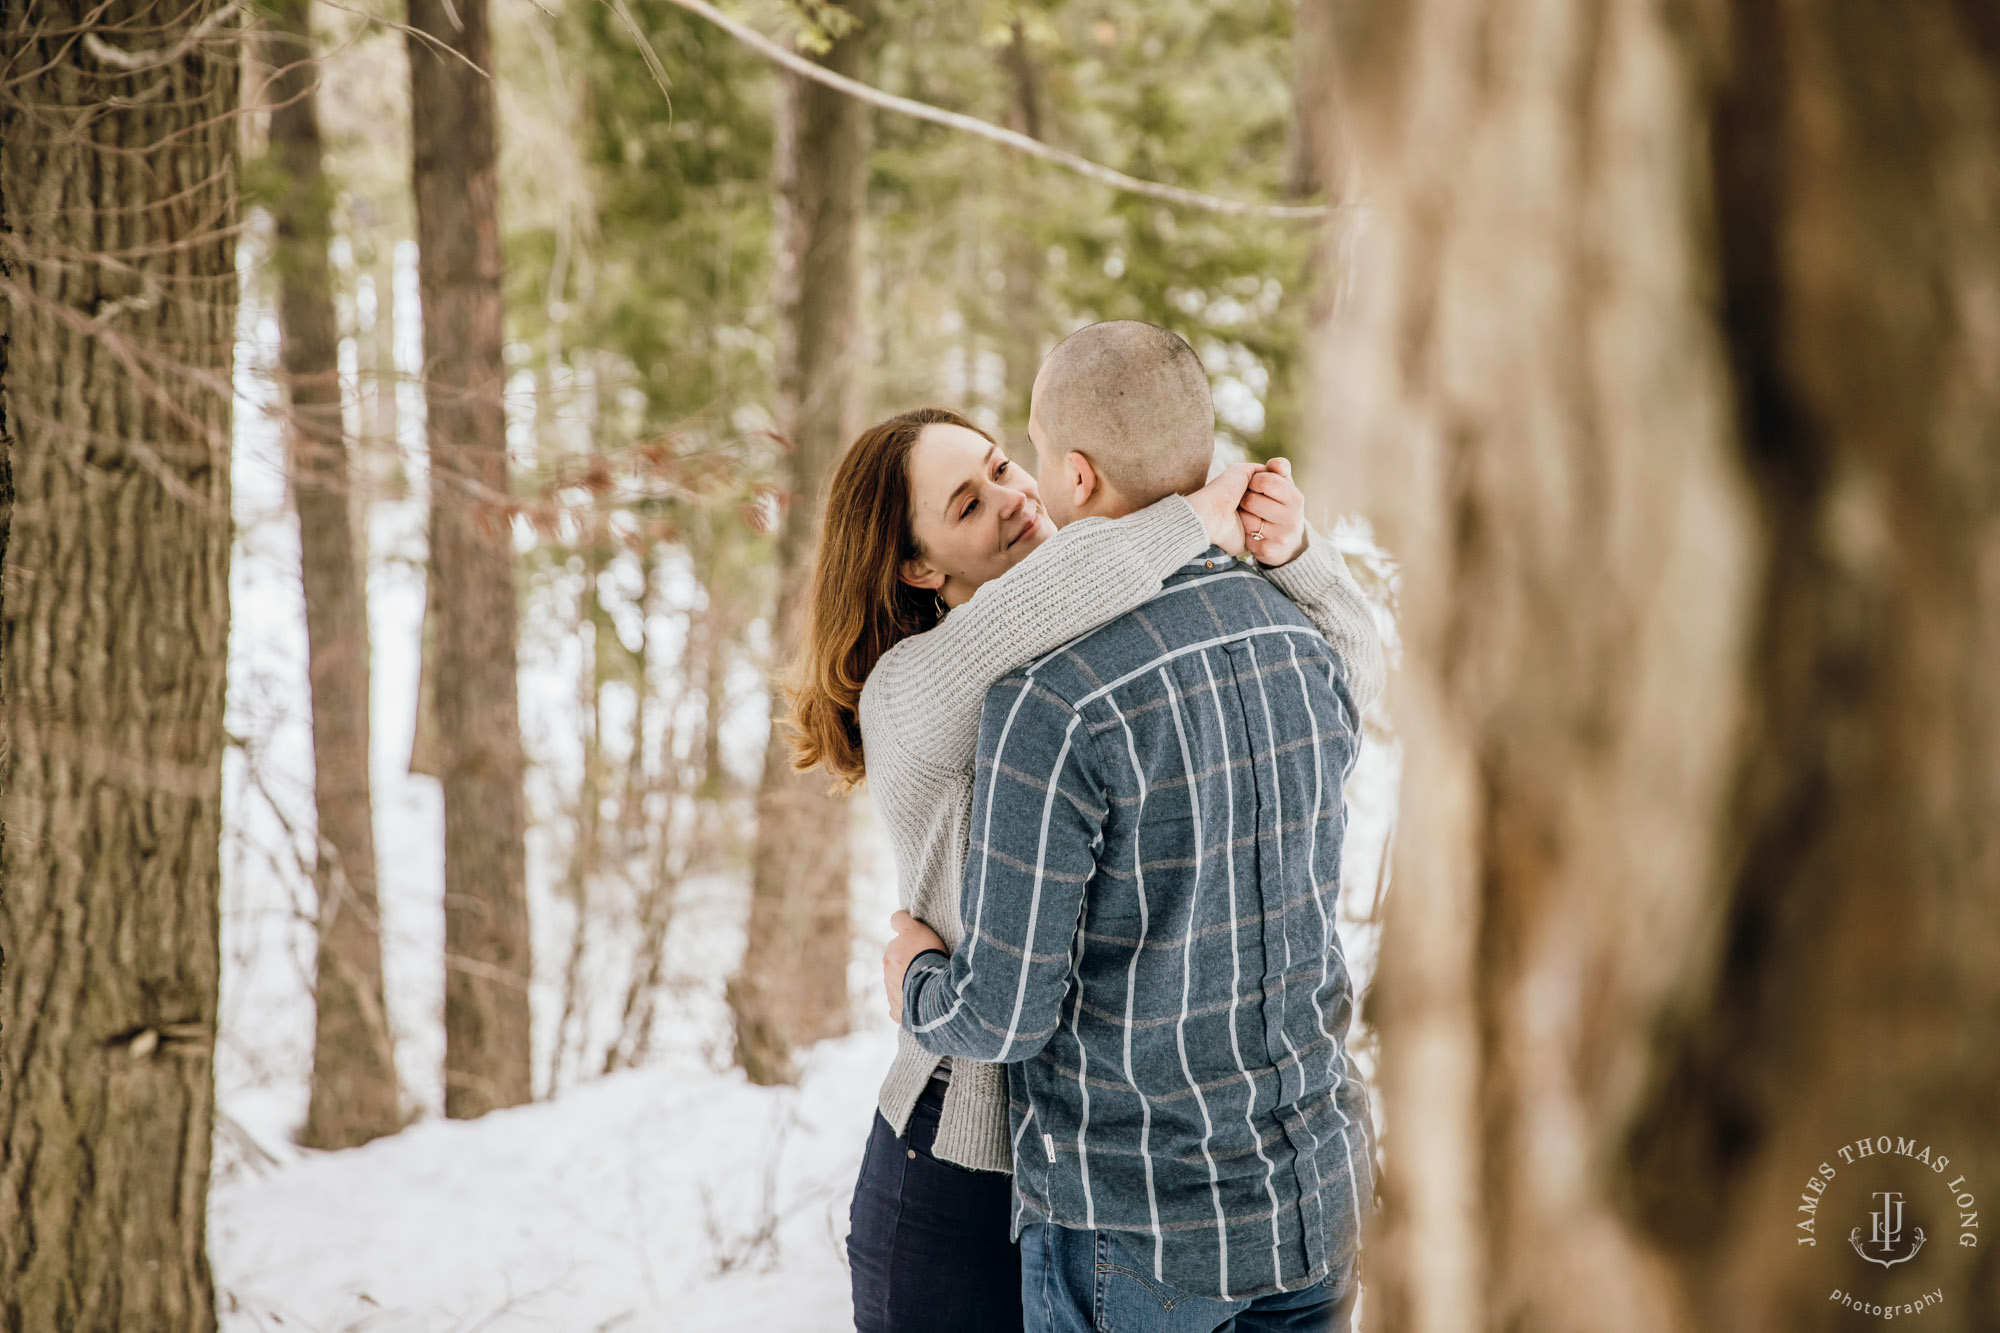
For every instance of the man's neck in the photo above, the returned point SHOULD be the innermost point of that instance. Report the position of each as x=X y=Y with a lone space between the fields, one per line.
x=1108 y=503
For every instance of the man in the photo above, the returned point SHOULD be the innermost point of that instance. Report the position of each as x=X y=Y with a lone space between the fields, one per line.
x=1149 y=907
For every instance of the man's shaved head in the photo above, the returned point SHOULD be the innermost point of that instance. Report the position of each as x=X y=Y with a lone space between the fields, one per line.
x=1134 y=400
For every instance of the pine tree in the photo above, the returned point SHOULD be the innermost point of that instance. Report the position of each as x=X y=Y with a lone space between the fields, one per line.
x=480 y=761
x=354 y=1095
x=792 y=986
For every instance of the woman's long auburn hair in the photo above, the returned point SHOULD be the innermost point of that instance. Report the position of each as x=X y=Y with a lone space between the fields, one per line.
x=859 y=607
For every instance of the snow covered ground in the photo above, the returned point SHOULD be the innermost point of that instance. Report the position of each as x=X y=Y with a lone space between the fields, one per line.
x=669 y=1197
x=673 y=1196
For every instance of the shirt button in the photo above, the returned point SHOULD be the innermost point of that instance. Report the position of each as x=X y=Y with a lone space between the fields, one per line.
x=913 y=1153
x=1208 y=564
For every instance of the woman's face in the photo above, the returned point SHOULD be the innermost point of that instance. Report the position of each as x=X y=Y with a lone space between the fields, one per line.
x=976 y=514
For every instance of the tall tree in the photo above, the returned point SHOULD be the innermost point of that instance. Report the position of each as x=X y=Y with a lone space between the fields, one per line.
x=1312 y=155
x=354 y=1096
x=1668 y=370
x=480 y=761
x=792 y=986
x=1024 y=250
x=118 y=165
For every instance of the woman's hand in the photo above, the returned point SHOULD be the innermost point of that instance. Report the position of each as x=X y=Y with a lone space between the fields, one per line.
x=912 y=938
x=1217 y=504
x=1273 y=515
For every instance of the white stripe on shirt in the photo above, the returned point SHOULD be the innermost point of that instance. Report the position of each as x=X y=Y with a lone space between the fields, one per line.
x=1187 y=974
x=1131 y=991
x=1082 y=1065
x=1236 y=965
x=1285 y=930
x=979 y=910
x=1041 y=869
x=1337 y=1065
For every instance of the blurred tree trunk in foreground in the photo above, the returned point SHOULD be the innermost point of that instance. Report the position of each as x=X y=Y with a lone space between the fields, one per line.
x=792 y=986
x=118 y=168
x=353 y=1095
x=1671 y=370
x=478 y=737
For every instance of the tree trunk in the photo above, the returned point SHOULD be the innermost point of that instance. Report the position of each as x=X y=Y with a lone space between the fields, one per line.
x=1668 y=370
x=1313 y=157
x=714 y=684
x=792 y=986
x=383 y=453
x=118 y=165
x=710 y=633
x=1023 y=252
x=586 y=853
x=354 y=1097
x=452 y=110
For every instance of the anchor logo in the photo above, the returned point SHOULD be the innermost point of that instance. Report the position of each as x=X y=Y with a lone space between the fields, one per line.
x=1886 y=1232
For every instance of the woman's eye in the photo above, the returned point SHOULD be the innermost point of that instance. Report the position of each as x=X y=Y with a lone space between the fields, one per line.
x=967 y=511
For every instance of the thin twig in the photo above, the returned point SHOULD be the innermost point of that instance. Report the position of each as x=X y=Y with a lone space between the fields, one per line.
x=442 y=47
x=133 y=61
x=652 y=57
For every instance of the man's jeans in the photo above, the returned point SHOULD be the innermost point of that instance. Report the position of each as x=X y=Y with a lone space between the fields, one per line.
x=1087 y=1282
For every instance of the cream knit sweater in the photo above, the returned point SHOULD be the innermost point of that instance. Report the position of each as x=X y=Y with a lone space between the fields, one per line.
x=920 y=713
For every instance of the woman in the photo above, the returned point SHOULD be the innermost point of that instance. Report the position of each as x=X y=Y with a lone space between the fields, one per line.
x=938 y=573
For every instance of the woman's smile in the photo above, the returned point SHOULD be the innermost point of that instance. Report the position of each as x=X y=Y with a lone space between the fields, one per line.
x=1033 y=520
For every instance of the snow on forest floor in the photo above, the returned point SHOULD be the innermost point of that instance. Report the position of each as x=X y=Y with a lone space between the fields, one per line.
x=658 y=1198
x=673 y=1196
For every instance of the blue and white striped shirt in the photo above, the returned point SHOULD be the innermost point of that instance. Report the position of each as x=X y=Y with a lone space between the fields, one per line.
x=1149 y=938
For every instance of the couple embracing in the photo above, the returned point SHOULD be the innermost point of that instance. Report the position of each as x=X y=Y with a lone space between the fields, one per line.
x=1109 y=755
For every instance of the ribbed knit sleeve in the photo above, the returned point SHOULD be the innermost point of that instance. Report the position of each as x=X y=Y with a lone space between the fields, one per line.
x=920 y=713
x=920 y=705
x=1318 y=581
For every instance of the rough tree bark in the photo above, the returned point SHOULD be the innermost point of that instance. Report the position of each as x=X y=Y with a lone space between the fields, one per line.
x=792 y=986
x=119 y=170
x=452 y=110
x=1668 y=368
x=354 y=1095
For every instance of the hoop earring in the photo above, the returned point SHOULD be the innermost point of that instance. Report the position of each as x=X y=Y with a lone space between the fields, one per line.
x=942 y=609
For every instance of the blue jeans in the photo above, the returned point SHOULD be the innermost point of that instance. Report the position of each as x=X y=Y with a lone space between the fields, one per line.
x=927 y=1246
x=1087 y=1282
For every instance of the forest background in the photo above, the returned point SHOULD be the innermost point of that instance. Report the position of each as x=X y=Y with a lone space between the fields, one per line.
x=414 y=426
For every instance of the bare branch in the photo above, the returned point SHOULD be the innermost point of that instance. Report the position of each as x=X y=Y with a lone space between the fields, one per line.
x=133 y=61
x=1117 y=180
x=624 y=13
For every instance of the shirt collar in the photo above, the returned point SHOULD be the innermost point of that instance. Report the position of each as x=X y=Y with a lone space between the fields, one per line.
x=1212 y=561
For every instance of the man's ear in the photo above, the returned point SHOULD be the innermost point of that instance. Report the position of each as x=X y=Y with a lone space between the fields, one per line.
x=920 y=574
x=1081 y=480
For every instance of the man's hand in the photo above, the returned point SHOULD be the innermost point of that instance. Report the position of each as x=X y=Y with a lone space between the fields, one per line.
x=912 y=938
x=1217 y=504
x=1274 y=515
